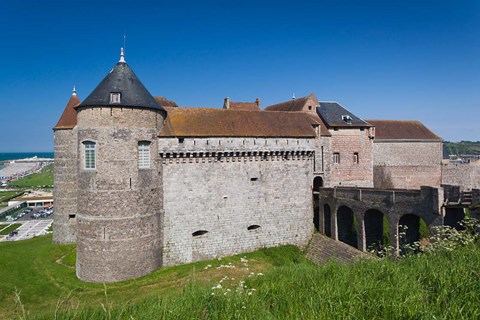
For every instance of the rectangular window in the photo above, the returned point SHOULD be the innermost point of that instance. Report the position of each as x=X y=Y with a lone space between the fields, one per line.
x=355 y=157
x=90 y=150
x=144 y=154
x=115 y=97
x=336 y=157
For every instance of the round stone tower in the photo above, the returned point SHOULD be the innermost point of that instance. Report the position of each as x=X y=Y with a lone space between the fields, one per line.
x=65 y=186
x=119 y=183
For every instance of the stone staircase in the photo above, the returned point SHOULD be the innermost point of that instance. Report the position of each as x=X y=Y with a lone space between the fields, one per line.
x=321 y=249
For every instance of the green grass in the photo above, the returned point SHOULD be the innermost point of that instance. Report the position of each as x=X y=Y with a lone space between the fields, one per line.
x=7 y=195
x=4 y=229
x=44 y=178
x=442 y=286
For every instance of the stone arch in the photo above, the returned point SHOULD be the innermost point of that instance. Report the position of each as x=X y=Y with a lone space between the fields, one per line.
x=416 y=228
x=327 y=220
x=346 y=226
x=376 y=229
x=453 y=216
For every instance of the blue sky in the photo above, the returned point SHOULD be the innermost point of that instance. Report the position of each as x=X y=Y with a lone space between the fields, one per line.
x=380 y=59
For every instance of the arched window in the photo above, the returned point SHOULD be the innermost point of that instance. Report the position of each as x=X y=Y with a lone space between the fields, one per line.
x=144 y=154
x=90 y=154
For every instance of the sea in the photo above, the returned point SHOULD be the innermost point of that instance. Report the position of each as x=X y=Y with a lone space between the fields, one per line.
x=22 y=155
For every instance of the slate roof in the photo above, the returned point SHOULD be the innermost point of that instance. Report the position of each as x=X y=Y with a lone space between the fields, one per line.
x=402 y=130
x=210 y=122
x=251 y=106
x=290 y=105
x=121 y=80
x=332 y=114
x=68 y=120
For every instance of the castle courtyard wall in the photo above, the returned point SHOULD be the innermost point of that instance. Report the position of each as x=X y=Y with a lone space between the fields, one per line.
x=244 y=194
x=407 y=164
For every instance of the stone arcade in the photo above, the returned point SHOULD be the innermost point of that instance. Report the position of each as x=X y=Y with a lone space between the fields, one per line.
x=141 y=183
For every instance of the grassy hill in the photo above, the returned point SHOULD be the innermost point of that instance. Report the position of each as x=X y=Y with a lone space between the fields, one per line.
x=43 y=178
x=462 y=147
x=38 y=282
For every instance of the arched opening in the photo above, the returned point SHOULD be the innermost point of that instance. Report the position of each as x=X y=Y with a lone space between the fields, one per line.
x=411 y=229
x=377 y=231
x=453 y=216
x=327 y=220
x=347 y=227
x=317 y=184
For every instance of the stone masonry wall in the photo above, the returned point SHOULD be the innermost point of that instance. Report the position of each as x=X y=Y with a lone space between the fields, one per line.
x=243 y=201
x=466 y=175
x=119 y=205
x=347 y=141
x=65 y=186
x=407 y=165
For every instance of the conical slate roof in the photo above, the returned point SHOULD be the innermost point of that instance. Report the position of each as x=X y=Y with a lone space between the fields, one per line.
x=121 y=80
x=68 y=120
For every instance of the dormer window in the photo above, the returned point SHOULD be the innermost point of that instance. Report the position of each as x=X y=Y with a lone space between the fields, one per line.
x=347 y=119
x=115 y=97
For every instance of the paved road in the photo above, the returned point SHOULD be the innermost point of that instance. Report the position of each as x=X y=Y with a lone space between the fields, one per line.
x=30 y=227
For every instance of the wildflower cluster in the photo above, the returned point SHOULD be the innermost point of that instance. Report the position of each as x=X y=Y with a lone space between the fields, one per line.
x=227 y=285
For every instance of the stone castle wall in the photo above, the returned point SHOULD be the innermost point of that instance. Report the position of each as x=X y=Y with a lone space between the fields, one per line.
x=347 y=141
x=407 y=165
x=229 y=201
x=466 y=175
x=119 y=205
x=65 y=188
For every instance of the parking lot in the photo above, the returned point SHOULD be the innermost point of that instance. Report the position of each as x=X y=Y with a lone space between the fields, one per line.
x=34 y=223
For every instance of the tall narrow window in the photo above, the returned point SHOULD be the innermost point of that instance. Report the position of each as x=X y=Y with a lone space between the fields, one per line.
x=144 y=154
x=336 y=157
x=355 y=157
x=90 y=156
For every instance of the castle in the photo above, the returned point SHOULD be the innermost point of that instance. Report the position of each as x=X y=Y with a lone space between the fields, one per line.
x=141 y=183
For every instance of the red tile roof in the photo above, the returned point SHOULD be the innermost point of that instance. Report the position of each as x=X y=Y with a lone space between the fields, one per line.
x=209 y=122
x=290 y=105
x=164 y=102
x=402 y=130
x=249 y=106
x=68 y=120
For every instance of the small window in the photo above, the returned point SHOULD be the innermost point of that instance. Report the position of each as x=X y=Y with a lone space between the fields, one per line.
x=182 y=140
x=199 y=233
x=115 y=97
x=253 y=227
x=355 y=157
x=90 y=154
x=336 y=157
x=309 y=107
x=144 y=154
x=71 y=216
x=253 y=179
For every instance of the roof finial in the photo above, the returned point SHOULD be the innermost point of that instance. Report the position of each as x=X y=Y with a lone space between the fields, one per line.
x=122 y=56
x=74 y=91
x=293 y=96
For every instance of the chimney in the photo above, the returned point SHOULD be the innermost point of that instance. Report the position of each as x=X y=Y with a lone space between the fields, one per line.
x=257 y=102
x=226 y=103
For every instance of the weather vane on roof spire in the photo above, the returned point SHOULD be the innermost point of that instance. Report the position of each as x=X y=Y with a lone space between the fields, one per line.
x=122 y=56
x=74 y=91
